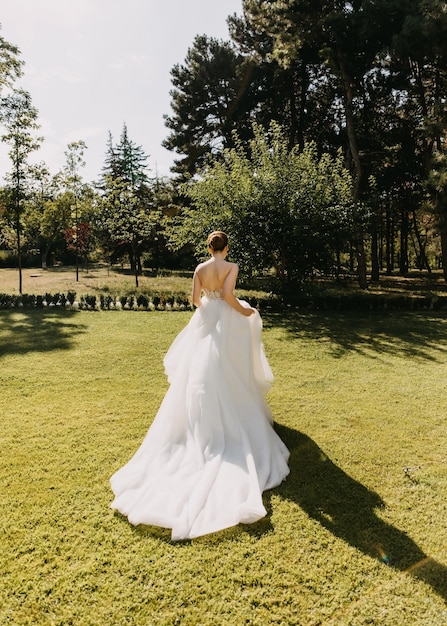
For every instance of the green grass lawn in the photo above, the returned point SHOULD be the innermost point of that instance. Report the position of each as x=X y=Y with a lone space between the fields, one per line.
x=356 y=535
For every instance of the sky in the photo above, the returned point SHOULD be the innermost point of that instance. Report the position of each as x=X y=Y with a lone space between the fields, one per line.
x=92 y=66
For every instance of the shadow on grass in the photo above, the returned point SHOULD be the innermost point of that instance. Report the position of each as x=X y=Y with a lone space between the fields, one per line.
x=416 y=335
x=23 y=331
x=342 y=505
x=347 y=509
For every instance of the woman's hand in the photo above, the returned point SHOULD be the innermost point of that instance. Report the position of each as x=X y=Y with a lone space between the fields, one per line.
x=249 y=311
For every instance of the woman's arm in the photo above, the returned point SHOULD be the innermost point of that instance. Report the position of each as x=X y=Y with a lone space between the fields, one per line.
x=196 y=290
x=228 y=289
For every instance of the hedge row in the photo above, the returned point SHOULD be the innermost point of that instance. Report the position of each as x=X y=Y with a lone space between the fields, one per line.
x=366 y=301
x=181 y=302
x=93 y=302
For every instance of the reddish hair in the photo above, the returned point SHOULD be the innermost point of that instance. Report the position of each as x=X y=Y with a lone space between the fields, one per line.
x=217 y=241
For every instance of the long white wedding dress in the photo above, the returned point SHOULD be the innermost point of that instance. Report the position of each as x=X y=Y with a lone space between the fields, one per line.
x=211 y=450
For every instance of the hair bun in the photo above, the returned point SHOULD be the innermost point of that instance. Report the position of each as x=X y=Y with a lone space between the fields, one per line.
x=217 y=240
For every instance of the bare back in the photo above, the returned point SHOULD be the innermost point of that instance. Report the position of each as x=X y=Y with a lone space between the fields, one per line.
x=216 y=274
x=213 y=273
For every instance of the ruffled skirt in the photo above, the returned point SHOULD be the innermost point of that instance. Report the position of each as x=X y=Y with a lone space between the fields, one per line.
x=211 y=450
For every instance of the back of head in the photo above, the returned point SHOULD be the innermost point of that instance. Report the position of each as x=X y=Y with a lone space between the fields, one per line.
x=217 y=241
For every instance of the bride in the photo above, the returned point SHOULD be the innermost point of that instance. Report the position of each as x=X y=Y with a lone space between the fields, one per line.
x=211 y=450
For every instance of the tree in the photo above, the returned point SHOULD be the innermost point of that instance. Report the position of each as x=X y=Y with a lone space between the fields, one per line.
x=126 y=160
x=208 y=102
x=128 y=214
x=167 y=202
x=384 y=61
x=330 y=31
x=79 y=239
x=49 y=210
x=128 y=218
x=420 y=55
x=41 y=222
x=296 y=94
x=20 y=120
x=289 y=210
x=10 y=63
x=223 y=86
x=367 y=76
x=10 y=70
x=75 y=160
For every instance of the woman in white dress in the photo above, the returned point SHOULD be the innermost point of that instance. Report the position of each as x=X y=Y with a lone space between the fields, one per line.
x=211 y=450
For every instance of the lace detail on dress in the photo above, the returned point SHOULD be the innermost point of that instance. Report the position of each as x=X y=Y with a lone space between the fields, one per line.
x=213 y=295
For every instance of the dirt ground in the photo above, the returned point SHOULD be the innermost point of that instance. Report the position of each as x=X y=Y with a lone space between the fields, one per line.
x=63 y=279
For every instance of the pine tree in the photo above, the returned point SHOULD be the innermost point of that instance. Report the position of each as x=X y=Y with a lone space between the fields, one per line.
x=129 y=216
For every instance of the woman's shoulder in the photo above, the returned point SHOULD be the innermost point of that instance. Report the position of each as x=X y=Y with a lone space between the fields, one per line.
x=201 y=266
x=231 y=272
x=231 y=265
x=231 y=269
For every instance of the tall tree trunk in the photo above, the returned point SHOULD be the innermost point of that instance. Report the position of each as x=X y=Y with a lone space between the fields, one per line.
x=403 y=261
x=135 y=260
x=375 y=273
x=19 y=252
x=389 y=245
x=381 y=234
x=441 y=207
x=45 y=253
x=17 y=192
x=443 y=231
x=350 y=127
x=132 y=261
x=422 y=257
x=298 y=113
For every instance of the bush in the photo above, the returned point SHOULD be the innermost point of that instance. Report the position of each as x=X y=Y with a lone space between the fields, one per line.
x=107 y=301
x=88 y=302
x=269 y=302
x=156 y=301
x=28 y=301
x=123 y=301
x=142 y=301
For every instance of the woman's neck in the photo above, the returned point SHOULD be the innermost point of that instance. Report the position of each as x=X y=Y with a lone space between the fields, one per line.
x=219 y=254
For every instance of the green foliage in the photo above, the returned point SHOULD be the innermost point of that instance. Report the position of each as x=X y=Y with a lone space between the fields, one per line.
x=128 y=215
x=283 y=208
x=379 y=69
x=75 y=160
x=366 y=77
x=19 y=117
x=208 y=102
x=10 y=63
x=126 y=160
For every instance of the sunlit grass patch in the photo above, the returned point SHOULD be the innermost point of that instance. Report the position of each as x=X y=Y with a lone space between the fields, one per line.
x=355 y=535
